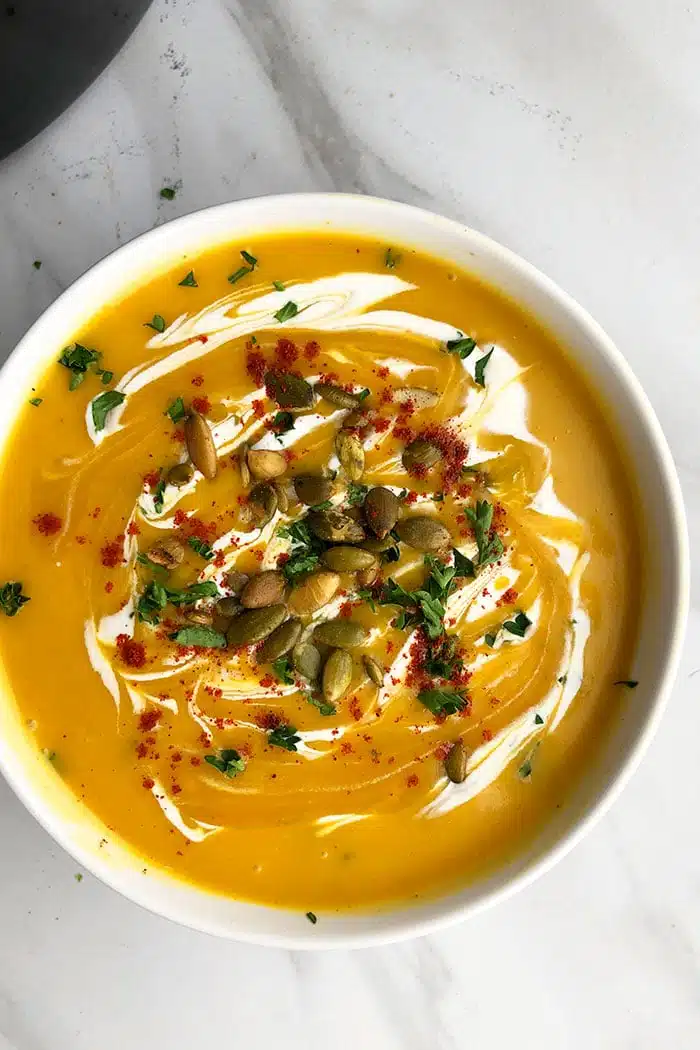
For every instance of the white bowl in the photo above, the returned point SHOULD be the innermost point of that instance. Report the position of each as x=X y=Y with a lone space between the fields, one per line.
x=665 y=556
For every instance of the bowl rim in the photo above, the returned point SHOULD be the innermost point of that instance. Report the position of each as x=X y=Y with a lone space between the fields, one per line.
x=447 y=910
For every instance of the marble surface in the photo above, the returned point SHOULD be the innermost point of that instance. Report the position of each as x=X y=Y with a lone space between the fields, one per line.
x=571 y=132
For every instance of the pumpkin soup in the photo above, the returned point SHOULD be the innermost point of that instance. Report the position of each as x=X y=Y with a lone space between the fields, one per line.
x=320 y=572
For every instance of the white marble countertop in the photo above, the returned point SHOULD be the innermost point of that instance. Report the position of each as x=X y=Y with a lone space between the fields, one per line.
x=571 y=133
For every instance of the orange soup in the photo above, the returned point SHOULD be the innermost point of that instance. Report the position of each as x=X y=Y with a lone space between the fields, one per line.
x=320 y=572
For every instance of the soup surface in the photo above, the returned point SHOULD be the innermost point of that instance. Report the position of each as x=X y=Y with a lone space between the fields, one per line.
x=332 y=572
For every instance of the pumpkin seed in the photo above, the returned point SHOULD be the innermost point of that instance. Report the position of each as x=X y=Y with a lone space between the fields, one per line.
x=350 y=453
x=265 y=464
x=203 y=616
x=255 y=624
x=312 y=489
x=289 y=391
x=335 y=395
x=267 y=588
x=337 y=675
x=366 y=577
x=456 y=763
x=348 y=559
x=381 y=511
x=280 y=642
x=243 y=465
x=335 y=527
x=307 y=660
x=180 y=475
x=373 y=543
x=375 y=671
x=420 y=456
x=229 y=606
x=341 y=634
x=423 y=533
x=235 y=580
x=200 y=445
x=355 y=420
x=417 y=397
x=167 y=553
x=314 y=592
x=282 y=498
x=263 y=504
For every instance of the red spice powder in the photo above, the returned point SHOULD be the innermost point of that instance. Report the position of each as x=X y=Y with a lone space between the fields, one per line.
x=176 y=789
x=109 y=586
x=267 y=720
x=201 y=405
x=149 y=783
x=487 y=735
x=282 y=559
x=346 y=747
x=258 y=409
x=197 y=380
x=48 y=524
x=142 y=750
x=181 y=517
x=151 y=479
x=203 y=338
x=178 y=435
x=258 y=555
x=112 y=555
x=195 y=760
x=346 y=609
x=256 y=367
x=81 y=540
x=442 y=750
x=132 y=653
x=412 y=781
x=508 y=597
x=311 y=350
x=133 y=529
x=382 y=371
x=286 y=353
x=267 y=681
x=149 y=720
x=355 y=709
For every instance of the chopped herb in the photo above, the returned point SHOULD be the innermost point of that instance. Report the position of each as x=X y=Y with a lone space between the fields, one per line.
x=562 y=679
x=282 y=422
x=363 y=394
x=490 y=547
x=168 y=193
x=193 y=593
x=367 y=596
x=539 y=720
x=243 y=271
x=321 y=706
x=463 y=346
x=284 y=736
x=391 y=259
x=12 y=599
x=490 y=639
x=157 y=323
x=78 y=877
x=480 y=369
x=441 y=573
x=105 y=375
x=525 y=769
x=464 y=567
x=313 y=919
x=201 y=547
x=306 y=550
x=300 y=564
x=283 y=669
x=228 y=762
x=77 y=359
x=188 y=281
x=518 y=626
x=442 y=702
x=200 y=635
x=36 y=401
x=103 y=404
x=286 y=312
x=151 y=603
x=176 y=410
x=158 y=493
x=278 y=286
x=253 y=341
x=37 y=264
x=142 y=559
x=326 y=505
x=630 y=683
x=356 y=494
x=250 y=259
x=391 y=554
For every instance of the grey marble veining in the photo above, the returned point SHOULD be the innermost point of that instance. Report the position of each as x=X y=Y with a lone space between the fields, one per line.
x=572 y=134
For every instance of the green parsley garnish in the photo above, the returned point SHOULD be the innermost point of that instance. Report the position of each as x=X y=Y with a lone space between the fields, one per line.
x=442 y=701
x=464 y=566
x=158 y=492
x=168 y=193
x=151 y=603
x=37 y=264
x=463 y=346
x=518 y=626
x=284 y=736
x=539 y=720
x=157 y=323
x=278 y=286
x=77 y=359
x=105 y=376
x=392 y=259
x=490 y=547
x=188 y=281
x=283 y=669
x=629 y=682
x=562 y=679
x=313 y=919
x=363 y=394
x=525 y=769
x=200 y=635
x=103 y=404
x=306 y=549
x=321 y=706
x=228 y=762
x=36 y=401
x=193 y=593
x=243 y=271
x=78 y=877
x=480 y=368
x=286 y=312
x=11 y=598
x=176 y=410
x=282 y=422
x=356 y=494
x=201 y=547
